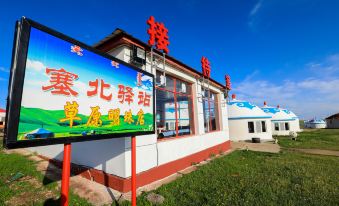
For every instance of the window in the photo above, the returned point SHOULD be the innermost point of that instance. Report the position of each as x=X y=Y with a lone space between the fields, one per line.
x=287 y=126
x=1 y=123
x=263 y=126
x=209 y=103
x=250 y=127
x=174 y=108
x=258 y=127
x=276 y=126
x=282 y=126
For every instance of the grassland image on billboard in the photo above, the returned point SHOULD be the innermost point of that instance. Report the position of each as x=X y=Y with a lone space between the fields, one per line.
x=70 y=91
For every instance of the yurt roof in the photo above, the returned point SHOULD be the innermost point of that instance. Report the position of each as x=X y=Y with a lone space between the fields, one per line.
x=276 y=113
x=239 y=109
x=316 y=121
x=290 y=113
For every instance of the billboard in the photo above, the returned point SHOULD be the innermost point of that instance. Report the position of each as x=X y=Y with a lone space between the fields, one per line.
x=62 y=91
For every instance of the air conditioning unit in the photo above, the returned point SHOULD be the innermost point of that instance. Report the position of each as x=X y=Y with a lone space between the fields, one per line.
x=138 y=56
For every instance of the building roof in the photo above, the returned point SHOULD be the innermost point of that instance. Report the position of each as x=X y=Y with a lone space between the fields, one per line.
x=119 y=34
x=277 y=113
x=290 y=113
x=2 y=111
x=239 y=109
x=334 y=116
x=316 y=121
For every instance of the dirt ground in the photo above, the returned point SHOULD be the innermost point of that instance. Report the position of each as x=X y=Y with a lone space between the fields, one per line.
x=260 y=147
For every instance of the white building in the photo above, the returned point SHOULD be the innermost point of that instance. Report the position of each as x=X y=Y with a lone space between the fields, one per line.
x=315 y=124
x=246 y=121
x=191 y=121
x=294 y=124
x=281 y=121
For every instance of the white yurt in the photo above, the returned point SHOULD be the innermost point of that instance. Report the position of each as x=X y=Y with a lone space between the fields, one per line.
x=281 y=121
x=294 y=124
x=247 y=121
x=315 y=124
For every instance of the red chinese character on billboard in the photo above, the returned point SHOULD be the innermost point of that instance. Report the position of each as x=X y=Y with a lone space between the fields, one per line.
x=61 y=82
x=158 y=35
x=144 y=98
x=206 y=67
x=125 y=94
x=95 y=84
x=228 y=82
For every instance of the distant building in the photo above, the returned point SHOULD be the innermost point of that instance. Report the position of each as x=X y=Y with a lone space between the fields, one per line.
x=247 y=121
x=282 y=122
x=315 y=124
x=333 y=121
x=2 y=118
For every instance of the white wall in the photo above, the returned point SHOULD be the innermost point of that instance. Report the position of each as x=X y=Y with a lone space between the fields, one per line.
x=295 y=125
x=280 y=132
x=239 y=130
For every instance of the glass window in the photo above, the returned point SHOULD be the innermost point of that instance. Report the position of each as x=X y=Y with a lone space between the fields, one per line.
x=251 y=127
x=257 y=127
x=174 y=108
x=209 y=103
x=287 y=126
x=276 y=126
x=282 y=126
x=263 y=126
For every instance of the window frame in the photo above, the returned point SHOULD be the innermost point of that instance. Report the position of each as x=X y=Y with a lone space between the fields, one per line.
x=263 y=126
x=248 y=127
x=216 y=109
x=275 y=126
x=175 y=96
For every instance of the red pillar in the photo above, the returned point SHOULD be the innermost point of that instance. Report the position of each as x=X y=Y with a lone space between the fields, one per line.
x=66 y=170
x=133 y=172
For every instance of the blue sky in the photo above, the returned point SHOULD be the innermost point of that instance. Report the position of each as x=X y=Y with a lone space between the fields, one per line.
x=284 y=52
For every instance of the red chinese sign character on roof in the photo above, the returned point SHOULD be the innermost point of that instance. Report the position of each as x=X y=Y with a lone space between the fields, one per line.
x=61 y=82
x=228 y=82
x=144 y=98
x=95 y=84
x=206 y=67
x=125 y=94
x=158 y=35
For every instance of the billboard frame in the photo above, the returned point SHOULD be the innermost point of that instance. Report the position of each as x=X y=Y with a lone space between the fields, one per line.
x=16 y=81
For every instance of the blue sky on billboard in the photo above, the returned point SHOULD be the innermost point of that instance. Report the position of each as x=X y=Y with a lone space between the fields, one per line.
x=283 y=52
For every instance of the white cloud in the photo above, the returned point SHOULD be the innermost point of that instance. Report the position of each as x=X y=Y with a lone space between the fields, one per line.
x=35 y=65
x=3 y=69
x=256 y=8
x=308 y=98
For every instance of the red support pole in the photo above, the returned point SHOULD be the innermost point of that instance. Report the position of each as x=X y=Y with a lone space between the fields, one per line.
x=66 y=171
x=133 y=172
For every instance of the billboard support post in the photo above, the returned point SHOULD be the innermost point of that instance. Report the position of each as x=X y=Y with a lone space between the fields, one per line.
x=66 y=170
x=133 y=172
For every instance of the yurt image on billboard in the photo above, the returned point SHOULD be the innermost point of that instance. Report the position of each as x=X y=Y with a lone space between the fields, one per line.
x=247 y=121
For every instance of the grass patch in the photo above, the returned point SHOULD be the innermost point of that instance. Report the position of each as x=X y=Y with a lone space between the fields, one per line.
x=254 y=178
x=28 y=190
x=327 y=139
